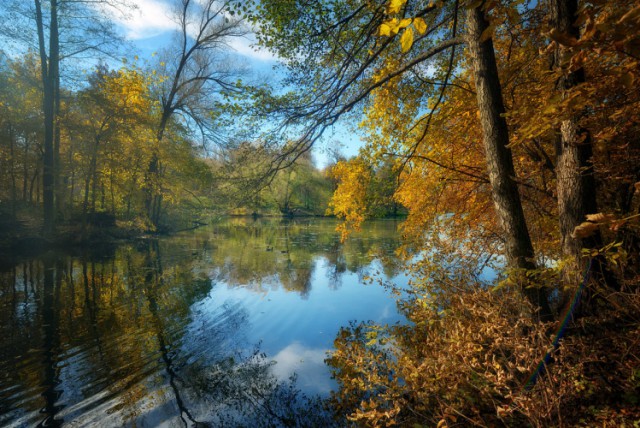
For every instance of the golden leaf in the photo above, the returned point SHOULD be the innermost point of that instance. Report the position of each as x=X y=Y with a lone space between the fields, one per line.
x=420 y=25
x=404 y=23
x=600 y=217
x=385 y=29
x=406 y=40
x=395 y=6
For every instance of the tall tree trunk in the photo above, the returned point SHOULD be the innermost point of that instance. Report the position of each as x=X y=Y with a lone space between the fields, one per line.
x=57 y=167
x=54 y=77
x=90 y=186
x=576 y=186
x=72 y=177
x=153 y=197
x=25 y=170
x=152 y=188
x=103 y=196
x=12 y=170
x=112 y=193
x=85 y=201
x=35 y=182
x=94 y=187
x=49 y=71
x=504 y=189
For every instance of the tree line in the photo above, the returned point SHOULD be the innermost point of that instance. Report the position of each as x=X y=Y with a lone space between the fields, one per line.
x=146 y=143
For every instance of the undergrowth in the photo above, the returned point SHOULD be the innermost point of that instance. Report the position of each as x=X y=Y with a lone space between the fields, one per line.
x=480 y=361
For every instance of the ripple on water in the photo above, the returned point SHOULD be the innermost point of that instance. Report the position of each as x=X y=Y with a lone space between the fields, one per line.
x=161 y=334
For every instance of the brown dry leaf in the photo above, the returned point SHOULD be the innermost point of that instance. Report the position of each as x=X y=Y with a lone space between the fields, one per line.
x=600 y=217
x=562 y=38
x=633 y=14
x=616 y=225
x=584 y=230
x=627 y=80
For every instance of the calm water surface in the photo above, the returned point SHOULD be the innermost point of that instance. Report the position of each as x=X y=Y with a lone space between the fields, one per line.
x=227 y=325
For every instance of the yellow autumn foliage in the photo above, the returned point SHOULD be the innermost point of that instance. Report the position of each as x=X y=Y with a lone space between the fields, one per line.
x=470 y=350
x=349 y=199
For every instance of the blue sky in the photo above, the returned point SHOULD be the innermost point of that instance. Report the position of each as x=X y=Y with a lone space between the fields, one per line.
x=150 y=28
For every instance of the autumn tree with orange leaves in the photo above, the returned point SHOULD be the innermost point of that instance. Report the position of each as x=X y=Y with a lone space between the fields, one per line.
x=512 y=127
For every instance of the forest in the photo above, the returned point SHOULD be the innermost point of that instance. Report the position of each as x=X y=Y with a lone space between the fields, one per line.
x=504 y=133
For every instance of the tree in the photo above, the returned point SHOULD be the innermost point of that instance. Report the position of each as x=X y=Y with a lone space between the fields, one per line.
x=356 y=51
x=50 y=68
x=575 y=174
x=195 y=70
x=64 y=29
x=113 y=116
x=518 y=247
x=109 y=124
x=364 y=189
x=299 y=189
x=20 y=102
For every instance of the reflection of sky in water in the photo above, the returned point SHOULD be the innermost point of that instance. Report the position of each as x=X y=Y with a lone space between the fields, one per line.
x=296 y=331
x=169 y=332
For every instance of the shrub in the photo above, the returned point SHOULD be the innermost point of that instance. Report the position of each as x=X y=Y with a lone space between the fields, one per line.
x=472 y=363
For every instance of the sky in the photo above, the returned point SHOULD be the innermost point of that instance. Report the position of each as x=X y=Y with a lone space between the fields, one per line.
x=150 y=28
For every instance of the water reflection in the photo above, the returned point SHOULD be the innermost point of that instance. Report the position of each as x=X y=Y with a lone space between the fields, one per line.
x=206 y=328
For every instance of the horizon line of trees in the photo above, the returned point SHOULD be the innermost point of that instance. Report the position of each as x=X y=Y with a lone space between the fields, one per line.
x=106 y=130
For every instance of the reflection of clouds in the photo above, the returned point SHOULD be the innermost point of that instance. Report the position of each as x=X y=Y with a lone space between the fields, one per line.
x=387 y=313
x=308 y=364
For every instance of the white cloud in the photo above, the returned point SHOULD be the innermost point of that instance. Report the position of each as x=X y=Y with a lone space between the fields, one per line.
x=151 y=18
x=243 y=46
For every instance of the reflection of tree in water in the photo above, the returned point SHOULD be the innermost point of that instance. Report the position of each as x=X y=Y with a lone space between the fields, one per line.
x=242 y=391
x=115 y=341
x=30 y=323
x=51 y=343
x=214 y=388
x=264 y=254
x=117 y=338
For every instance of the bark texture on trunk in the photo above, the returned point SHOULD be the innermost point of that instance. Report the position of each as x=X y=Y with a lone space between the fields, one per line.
x=576 y=185
x=153 y=196
x=506 y=197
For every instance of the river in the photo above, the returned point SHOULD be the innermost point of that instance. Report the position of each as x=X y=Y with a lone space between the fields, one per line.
x=226 y=325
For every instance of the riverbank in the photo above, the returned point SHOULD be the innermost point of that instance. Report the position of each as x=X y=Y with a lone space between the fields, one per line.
x=21 y=235
x=483 y=362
